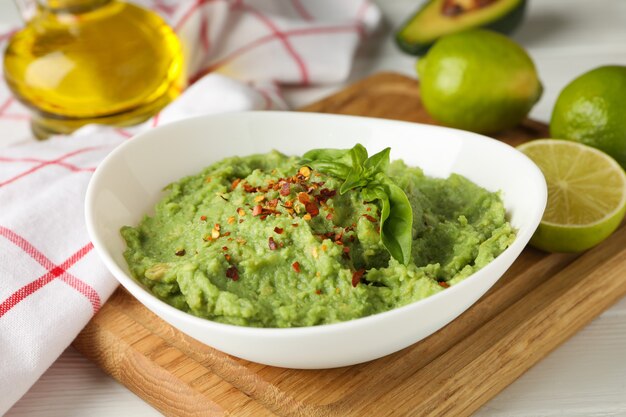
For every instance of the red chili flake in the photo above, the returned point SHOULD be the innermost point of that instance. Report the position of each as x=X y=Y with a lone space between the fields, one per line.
x=272 y=203
x=249 y=189
x=226 y=234
x=312 y=209
x=272 y=244
x=203 y=218
x=232 y=273
x=356 y=277
x=263 y=217
x=346 y=249
x=240 y=220
x=227 y=256
x=180 y=252
x=329 y=216
x=257 y=210
x=303 y=198
x=325 y=194
x=294 y=224
x=370 y=218
x=224 y=247
x=368 y=209
x=278 y=230
x=443 y=284
x=296 y=267
x=318 y=292
x=285 y=189
x=235 y=183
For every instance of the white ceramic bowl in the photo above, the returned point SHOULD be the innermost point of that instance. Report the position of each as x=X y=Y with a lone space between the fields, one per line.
x=129 y=183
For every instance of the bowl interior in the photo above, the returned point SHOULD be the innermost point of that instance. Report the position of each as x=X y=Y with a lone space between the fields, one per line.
x=130 y=181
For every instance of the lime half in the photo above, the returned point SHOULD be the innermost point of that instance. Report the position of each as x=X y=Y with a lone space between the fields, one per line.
x=586 y=195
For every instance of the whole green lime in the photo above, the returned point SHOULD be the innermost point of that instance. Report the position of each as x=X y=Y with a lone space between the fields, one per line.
x=592 y=110
x=478 y=80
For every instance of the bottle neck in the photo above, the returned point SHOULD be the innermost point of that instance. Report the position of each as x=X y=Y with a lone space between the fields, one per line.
x=71 y=6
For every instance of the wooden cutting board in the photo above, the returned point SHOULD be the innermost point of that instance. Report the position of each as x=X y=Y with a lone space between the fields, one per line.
x=540 y=302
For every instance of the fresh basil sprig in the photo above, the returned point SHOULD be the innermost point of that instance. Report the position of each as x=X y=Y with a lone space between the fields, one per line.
x=370 y=175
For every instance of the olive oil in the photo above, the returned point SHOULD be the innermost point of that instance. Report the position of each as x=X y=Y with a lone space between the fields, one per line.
x=93 y=61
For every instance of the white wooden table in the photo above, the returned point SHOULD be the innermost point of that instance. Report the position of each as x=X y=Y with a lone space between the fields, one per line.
x=584 y=377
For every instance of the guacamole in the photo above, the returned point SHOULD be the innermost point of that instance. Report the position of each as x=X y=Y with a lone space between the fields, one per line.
x=266 y=241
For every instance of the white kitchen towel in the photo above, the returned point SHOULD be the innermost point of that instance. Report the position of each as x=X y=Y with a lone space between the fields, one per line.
x=239 y=53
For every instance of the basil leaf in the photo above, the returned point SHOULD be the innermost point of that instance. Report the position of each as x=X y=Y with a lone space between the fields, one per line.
x=396 y=218
x=336 y=162
x=325 y=154
x=333 y=168
x=377 y=163
x=359 y=155
x=396 y=228
x=354 y=179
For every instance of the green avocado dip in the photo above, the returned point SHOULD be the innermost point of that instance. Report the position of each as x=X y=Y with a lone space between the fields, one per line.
x=270 y=241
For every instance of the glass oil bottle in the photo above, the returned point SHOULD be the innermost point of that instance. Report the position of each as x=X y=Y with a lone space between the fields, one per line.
x=92 y=61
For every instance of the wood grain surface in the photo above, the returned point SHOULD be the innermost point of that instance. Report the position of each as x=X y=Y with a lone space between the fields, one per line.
x=540 y=302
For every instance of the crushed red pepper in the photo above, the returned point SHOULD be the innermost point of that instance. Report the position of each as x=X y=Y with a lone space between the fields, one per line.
x=180 y=252
x=203 y=218
x=325 y=194
x=370 y=218
x=443 y=284
x=356 y=277
x=272 y=244
x=278 y=230
x=232 y=273
x=249 y=189
x=303 y=198
x=296 y=267
x=312 y=209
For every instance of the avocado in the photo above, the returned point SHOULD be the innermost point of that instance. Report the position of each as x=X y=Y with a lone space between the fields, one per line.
x=442 y=17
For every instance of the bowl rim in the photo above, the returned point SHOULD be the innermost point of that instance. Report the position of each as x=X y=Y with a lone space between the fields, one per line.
x=154 y=303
